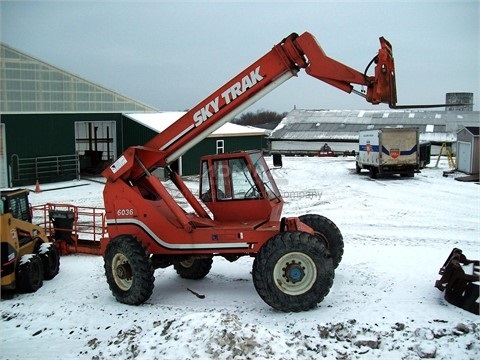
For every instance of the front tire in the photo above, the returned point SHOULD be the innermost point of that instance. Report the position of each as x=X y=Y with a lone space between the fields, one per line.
x=293 y=271
x=328 y=232
x=48 y=252
x=29 y=276
x=129 y=270
x=191 y=268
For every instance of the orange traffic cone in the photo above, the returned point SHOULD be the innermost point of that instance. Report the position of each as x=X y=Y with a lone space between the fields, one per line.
x=37 y=187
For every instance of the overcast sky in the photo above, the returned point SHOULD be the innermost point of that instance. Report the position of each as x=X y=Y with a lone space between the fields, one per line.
x=173 y=54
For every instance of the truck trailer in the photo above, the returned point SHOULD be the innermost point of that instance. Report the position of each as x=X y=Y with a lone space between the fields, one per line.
x=388 y=151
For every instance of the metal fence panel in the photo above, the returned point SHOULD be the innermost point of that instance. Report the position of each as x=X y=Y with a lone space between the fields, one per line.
x=45 y=169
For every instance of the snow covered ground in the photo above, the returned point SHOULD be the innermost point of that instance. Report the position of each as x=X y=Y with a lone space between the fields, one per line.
x=397 y=233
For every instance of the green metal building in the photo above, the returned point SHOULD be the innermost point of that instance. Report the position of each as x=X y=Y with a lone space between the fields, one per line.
x=55 y=126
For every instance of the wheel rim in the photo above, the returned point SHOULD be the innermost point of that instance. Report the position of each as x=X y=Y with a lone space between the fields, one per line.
x=187 y=263
x=295 y=273
x=122 y=272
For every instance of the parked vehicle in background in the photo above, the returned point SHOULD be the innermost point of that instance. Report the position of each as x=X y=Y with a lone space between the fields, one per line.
x=389 y=151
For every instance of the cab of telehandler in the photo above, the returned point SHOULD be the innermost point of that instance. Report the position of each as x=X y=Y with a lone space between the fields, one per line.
x=239 y=186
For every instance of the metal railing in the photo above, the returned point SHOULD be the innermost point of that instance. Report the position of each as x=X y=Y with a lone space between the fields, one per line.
x=29 y=170
x=82 y=228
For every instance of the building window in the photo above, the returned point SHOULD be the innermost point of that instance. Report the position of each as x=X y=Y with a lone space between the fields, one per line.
x=220 y=147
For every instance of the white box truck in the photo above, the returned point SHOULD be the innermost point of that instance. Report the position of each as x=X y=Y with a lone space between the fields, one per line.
x=388 y=151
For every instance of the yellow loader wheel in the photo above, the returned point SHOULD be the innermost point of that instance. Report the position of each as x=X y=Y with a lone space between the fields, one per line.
x=48 y=252
x=30 y=273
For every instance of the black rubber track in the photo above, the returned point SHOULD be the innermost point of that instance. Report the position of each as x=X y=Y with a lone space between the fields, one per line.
x=142 y=279
x=267 y=258
x=326 y=230
x=195 y=269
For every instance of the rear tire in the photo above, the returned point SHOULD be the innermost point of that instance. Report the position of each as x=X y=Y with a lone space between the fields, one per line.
x=30 y=273
x=194 y=269
x=48 y=252
x=293 y=271
x=129 y=270
x=328 y=232
x=358 y=169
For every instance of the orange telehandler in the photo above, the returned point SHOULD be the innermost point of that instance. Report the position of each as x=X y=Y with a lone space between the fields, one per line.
x=239 y=209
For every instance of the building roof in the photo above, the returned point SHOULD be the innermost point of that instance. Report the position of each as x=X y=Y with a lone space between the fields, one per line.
x=159 y=121
x=474 y=130
x=29 y=85
x=435 y=126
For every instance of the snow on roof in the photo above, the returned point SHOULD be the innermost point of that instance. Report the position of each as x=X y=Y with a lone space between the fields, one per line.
x=159 y=121
x=302 y=124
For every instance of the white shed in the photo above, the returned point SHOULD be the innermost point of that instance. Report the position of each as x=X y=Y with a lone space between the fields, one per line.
x=468 y=150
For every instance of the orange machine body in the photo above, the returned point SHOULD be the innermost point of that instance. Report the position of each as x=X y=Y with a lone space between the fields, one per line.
x=138 y=204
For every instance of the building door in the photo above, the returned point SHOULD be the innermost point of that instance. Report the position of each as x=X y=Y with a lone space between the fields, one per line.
x=464 y=153
x=95 y=144
x=3 y=158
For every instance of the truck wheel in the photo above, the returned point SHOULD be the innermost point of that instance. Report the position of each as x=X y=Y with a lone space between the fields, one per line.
x=30 y=273
x=129 y=270
x=326 y=230
x=358 y=169
x=194 y=269
x=373 y=172
x=293 y=271
x=48 y=252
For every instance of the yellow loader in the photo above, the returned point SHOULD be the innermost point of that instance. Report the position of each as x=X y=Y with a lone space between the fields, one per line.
x=27 y=255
